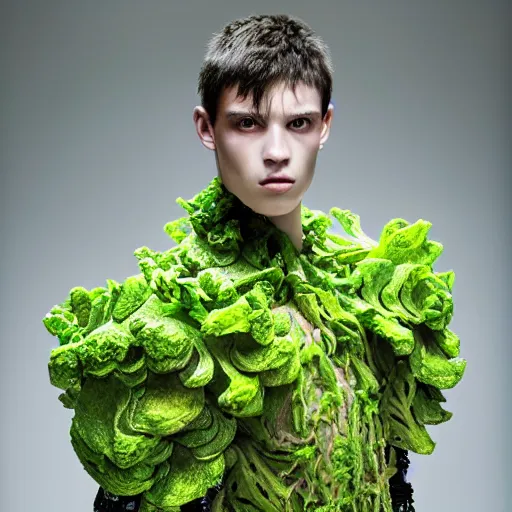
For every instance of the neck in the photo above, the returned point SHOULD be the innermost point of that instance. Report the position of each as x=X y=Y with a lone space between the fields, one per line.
x=291 y=225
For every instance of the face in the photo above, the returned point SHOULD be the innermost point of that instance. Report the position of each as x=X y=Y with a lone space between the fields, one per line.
x=268 y=159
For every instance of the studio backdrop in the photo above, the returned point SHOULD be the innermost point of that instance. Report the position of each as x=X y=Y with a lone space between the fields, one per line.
x=97 y=141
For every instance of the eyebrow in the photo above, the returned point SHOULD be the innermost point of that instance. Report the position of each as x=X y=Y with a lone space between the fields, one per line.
x=252 y=113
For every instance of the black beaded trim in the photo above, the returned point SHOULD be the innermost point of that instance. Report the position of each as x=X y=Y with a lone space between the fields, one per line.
x=400 y=489
x=108 y=502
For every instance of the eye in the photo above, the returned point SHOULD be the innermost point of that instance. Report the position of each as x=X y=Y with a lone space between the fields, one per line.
x=246 y=123
x=300 y=123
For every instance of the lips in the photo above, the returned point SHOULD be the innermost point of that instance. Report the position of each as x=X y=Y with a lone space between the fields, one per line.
x=277 y=179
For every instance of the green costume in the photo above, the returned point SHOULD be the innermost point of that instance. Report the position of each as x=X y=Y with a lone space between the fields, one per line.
x=233 y=356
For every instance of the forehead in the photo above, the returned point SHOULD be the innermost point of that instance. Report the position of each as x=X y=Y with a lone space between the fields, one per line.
x=278 y=99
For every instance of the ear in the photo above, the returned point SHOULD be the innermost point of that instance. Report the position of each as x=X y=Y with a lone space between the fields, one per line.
x=204 y=128
x=326 y=124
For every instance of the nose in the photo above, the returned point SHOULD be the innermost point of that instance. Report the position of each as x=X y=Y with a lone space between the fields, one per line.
x=276 y=149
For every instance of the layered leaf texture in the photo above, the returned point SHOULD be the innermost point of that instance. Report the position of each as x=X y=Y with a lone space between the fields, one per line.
x=234 y=357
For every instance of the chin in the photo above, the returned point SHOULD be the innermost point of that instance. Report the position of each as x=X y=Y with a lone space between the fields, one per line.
x=273 y=210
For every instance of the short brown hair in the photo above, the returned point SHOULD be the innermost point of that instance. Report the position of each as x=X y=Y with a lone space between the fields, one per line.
x=260 y=51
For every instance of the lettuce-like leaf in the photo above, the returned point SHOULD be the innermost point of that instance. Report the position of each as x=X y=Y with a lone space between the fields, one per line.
x=235 y=356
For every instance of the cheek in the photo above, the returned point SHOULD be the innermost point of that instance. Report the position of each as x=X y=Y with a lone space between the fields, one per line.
x=307 y=156
x=307 y=144
x=230 y=154
x=236 y=164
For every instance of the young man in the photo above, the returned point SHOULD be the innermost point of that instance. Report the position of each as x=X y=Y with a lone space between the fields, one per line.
x=265 y=111
x=265 y=87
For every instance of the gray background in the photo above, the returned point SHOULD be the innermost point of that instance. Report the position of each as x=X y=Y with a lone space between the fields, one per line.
x=97 y=141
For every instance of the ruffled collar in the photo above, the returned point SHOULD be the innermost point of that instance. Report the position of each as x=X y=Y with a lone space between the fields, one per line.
x=220 y=219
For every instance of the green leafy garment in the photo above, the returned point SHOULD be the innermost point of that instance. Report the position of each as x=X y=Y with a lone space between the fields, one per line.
x=232 y=356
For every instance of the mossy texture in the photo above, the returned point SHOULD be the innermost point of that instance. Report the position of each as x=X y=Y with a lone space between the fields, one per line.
x=234 y=357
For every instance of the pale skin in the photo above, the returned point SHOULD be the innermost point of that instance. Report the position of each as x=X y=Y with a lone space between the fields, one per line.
x=284 y=139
